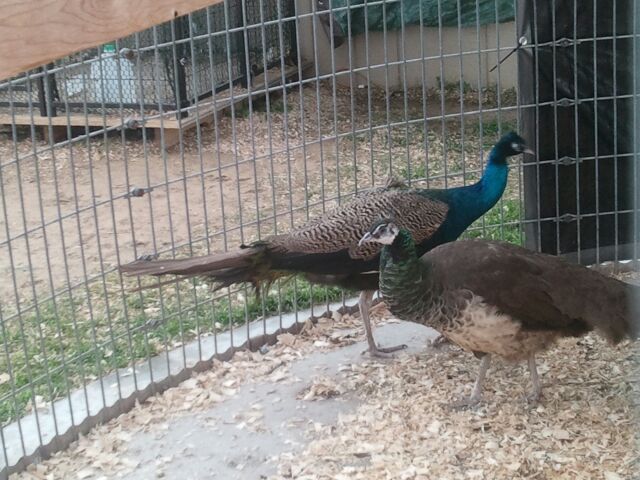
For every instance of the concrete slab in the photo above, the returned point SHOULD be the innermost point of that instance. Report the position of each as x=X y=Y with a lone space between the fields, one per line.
x=209 y=445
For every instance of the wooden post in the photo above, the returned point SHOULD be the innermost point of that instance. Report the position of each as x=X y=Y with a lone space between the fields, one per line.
x=58 y=133
x=171 y=137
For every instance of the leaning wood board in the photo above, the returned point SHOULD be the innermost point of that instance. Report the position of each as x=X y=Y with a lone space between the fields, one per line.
x=36 y=32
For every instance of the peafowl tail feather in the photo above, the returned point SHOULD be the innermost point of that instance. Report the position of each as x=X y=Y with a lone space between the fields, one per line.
x=250 y=264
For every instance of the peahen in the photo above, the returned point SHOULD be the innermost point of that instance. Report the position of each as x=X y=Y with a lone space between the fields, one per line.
x=326 y=248
x=496 y=298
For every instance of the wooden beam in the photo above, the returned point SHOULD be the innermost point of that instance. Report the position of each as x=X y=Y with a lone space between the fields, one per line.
x=35 y=32
x=75 y=120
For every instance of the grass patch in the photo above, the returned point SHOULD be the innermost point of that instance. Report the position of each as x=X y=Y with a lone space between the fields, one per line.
x=502 y=222
x=416 y=171
x=58 y=348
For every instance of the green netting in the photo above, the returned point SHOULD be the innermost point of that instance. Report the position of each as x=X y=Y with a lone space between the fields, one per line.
x=410 y=12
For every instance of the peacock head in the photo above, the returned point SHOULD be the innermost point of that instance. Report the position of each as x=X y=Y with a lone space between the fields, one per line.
x=509 y=145
x=384 y=231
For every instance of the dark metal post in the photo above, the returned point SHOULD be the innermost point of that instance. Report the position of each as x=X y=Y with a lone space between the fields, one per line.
x=293 y=35
x=46 y=87
x=575 y=80
x=182 y=32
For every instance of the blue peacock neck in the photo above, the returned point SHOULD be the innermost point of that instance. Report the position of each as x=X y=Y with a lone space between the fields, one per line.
x=493 y=182
x=475 y=200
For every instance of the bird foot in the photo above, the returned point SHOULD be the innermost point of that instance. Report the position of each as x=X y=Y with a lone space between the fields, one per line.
x=439 y=341
x=466 y=402
x=384 y=352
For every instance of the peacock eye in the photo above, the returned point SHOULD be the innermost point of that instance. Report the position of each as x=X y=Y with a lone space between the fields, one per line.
x=516 y=146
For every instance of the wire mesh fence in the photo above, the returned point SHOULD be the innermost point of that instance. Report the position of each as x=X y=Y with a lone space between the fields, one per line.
x=274 y=123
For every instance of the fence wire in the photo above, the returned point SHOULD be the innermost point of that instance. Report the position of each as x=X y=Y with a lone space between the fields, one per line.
x=250 y=117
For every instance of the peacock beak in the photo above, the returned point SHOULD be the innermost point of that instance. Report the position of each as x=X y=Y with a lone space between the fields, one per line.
x=365 y=238
x=529 y=151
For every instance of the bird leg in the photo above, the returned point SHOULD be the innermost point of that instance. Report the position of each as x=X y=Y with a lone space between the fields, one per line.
x=536 y=392
x=476 y=394
x=366 y=296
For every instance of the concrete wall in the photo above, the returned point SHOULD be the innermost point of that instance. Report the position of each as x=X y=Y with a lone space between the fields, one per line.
x=445 y=62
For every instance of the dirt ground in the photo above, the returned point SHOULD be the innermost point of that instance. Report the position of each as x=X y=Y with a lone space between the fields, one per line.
x=65 y=216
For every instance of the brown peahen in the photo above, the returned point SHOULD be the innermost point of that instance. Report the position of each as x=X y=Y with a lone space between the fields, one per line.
x=326 y=249
x=495 y=298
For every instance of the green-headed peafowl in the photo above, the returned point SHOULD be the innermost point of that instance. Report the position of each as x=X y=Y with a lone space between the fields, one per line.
x=493 y=297
x=326 y=249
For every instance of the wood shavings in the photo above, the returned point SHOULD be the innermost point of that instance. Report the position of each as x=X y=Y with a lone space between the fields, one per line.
x=343 y=338
x=611 y=476
x=404 y=428
x=287 y=339
x=38 y=403
x=320 y=388
x=251 y=420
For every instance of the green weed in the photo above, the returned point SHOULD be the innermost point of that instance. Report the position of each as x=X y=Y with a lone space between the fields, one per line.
x=502 y=222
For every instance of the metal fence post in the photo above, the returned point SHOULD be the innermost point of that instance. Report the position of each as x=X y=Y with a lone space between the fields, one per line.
x=245 y=79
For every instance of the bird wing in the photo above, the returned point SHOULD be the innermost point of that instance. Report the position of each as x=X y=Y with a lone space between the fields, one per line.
x=541 y=291
x=342 y=228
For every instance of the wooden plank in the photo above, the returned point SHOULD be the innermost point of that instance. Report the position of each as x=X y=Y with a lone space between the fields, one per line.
x=97 y=120
x=35 y=32
x=75 y=119
x=92 y=120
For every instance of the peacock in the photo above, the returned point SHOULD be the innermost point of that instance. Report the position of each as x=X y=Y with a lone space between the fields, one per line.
x=496 y=298
x=326 y=251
